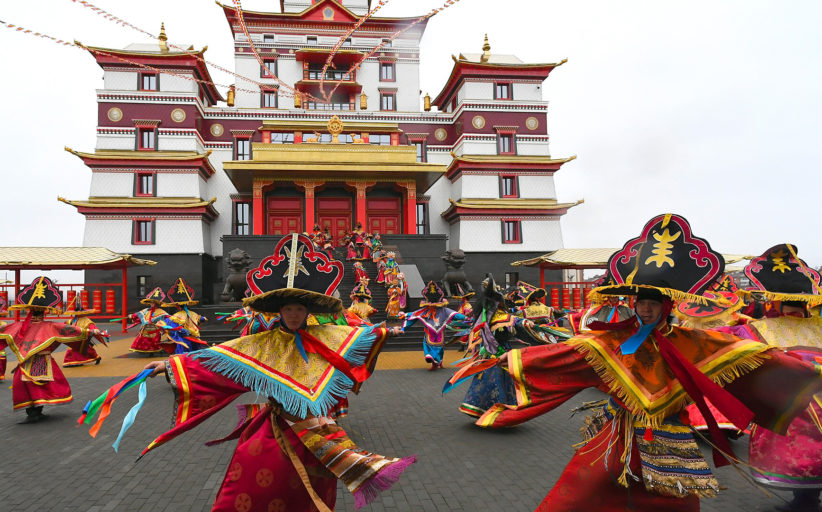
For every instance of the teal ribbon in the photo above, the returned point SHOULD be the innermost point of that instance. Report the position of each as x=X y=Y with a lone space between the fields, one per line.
x=631 y=345
x=132 y=414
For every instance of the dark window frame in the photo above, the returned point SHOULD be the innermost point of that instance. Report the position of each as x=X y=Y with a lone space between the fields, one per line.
x=136 y=231
x=142 y=76
x=516 y=234
x=142 y=286
x=138 y=184
x=509 y=87
x=422 y=224
x=236 y=222
x=392 y=66
x=384 y=95
x=514 y=185
x=140 y=142
x=269 y=93
x=237 y=147
x=271 y=64
x=511 y=138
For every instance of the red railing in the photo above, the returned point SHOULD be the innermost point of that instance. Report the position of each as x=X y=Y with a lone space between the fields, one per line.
x=104 y=297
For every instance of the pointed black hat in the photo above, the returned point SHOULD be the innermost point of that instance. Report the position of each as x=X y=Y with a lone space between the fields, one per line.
x=297 y=272
x=780 y=274
x=181 y=294
x=41 y=294
x=666 y=257
x=433 y=295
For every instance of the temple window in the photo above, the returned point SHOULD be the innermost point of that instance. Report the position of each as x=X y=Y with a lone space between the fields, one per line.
x=386 y=43
x=509 y=186
x=511 y=232
x=315 y=72
x=142 y=286
x=388 y=101
x=422 y=218
x=242 y=148
x=311 y=40
x=268 y=38
x=242 y=218
x=144 y=184
x=282 y=137
x=421 y=150
x=381 y=139
x=143 y=232
x=347 y=42
x=387 y=72
x=505 y=144
x=268 y=98
x=146 y=138
x=149 y=82
x=502 y=91
x=269 y=70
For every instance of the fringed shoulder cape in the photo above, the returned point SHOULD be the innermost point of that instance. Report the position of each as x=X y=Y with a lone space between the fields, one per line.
x=636 y=441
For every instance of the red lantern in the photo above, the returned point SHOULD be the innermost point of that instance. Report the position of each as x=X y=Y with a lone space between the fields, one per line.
x=110 y=300
x=577 y=298
x=566 y=298
x=84 y=298
x=97 y=299
x=555 y=298
x=71 y=298
x=585 y=299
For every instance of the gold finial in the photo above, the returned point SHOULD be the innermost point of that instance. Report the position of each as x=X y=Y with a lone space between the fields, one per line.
x=335 y=128
x=363 y=102
x=230 y=96
x=163 y=38
x=426 y=103
x=486 y=50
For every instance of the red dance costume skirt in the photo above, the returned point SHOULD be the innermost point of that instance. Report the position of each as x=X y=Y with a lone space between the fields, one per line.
x=26 y=393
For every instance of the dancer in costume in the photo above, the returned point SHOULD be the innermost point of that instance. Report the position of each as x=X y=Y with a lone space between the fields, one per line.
x=147 y=340
x=351 y=249
x=359 y=272
x=434 y=316
x=533 y=309
x=639 y=456
x=392 y=307
x=85 y=352
x=182 y=329
x=381 y=268
x=376 y=247
x=403 y=286
x=328 y=242
x=794 y=461
x=612 y=310
x=361 y=307
x=466 y=309
x=391 y=269
x=491 y=337
x=3 y=312
x=37 y=380
x=290 y=454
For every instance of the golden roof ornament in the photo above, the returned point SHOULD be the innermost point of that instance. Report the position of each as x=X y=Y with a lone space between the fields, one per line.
x=426 y=103
x=335 y=128
x=162 y=38
x=486 y=50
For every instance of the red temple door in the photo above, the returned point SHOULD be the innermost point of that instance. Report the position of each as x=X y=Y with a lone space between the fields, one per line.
x=285 y=215
x=335 y=212
x=384 y=215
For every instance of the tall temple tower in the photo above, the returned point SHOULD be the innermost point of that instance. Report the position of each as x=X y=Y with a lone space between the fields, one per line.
x=182 y=175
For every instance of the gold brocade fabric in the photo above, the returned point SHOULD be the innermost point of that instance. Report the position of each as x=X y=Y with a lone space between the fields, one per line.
x=789 y=331
x=190 y=320
x=362 y=310
x=643 y=380
x=538 y=311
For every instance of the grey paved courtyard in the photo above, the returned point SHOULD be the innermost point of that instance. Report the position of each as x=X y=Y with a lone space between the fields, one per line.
x=55 y=465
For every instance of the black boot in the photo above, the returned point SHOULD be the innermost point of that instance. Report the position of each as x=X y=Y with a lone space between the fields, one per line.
x=806 y=500
x=33 y=414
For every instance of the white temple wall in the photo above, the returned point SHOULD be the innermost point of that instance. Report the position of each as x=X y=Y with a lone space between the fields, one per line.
x=120 y=80
x=219 y=186
x=112 y=184
x=439 y=193
x=171 y=83
x=173 y=236
x=527 y=92
x=178 y=185
x=486 y=236
x=532 y=148
x=537 y=187
x=118 y=141
x=479 y=186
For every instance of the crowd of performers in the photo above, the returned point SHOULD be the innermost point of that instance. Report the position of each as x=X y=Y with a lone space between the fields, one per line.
x=679 y=351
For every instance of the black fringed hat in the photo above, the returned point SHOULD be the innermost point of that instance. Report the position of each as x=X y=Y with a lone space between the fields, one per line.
x=433 y=295
x=181 y=294
x=529 y=292
x=665 y=257
x=40 y=295
x=722 y=298
x=298 y=273
x=361 y=291
x=155 y=297
x=780 y=275
x=462 y=294
x=75 y=308
x=490 y=296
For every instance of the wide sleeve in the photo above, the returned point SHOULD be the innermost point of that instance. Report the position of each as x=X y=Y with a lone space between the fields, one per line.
x=778 y=390
x=544 y=378
x=199 y=393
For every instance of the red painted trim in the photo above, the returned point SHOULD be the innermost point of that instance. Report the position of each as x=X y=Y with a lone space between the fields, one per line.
x=207 y=212
x=514 y=188
x=134 y=230
x=518 y=239
x=140 y=193
x=463 y=70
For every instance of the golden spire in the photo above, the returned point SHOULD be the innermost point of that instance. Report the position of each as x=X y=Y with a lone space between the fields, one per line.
x=163 y=38
x=486 y=50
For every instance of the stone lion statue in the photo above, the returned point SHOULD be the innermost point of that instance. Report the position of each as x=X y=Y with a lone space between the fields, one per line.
x=454 y=281
x=237 y=262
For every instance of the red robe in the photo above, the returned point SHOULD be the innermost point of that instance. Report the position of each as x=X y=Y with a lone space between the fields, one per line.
x=37 y=379
x=547 y=376
x=86 y=354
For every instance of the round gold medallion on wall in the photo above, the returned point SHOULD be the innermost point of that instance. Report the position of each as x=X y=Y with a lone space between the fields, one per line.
x=216 y=129
x=478 y=122
x=115 y=114
x=440 y=134
x=532 y=123
x=178 y=115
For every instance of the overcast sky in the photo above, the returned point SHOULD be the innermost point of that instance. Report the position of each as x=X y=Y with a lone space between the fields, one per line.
x=703 y=108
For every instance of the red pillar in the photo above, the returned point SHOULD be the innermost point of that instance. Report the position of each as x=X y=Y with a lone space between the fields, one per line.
x=258 y=210
x=124 y=308
x=360 y=205
x=411 y=208
x=541 y=276
x=310 y=216
x=16 y=294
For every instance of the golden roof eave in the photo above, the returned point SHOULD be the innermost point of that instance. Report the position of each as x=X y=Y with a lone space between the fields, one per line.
x=43 y=257
x=131 y=154
x=592 y=257
x=136 y=202
x=300 y=14
x=462 y=60
x=142 y=54
x=512 y=203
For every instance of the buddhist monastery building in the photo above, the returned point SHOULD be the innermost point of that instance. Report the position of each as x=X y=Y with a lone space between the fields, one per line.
x=182 y=173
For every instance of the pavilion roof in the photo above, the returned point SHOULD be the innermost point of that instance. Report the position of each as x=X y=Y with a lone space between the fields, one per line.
x=590 y=258
x=24 y=258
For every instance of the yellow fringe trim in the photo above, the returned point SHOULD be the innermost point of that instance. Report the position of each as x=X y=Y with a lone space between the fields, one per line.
x=730 y=373
x=600 y=294
x=811 y=300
